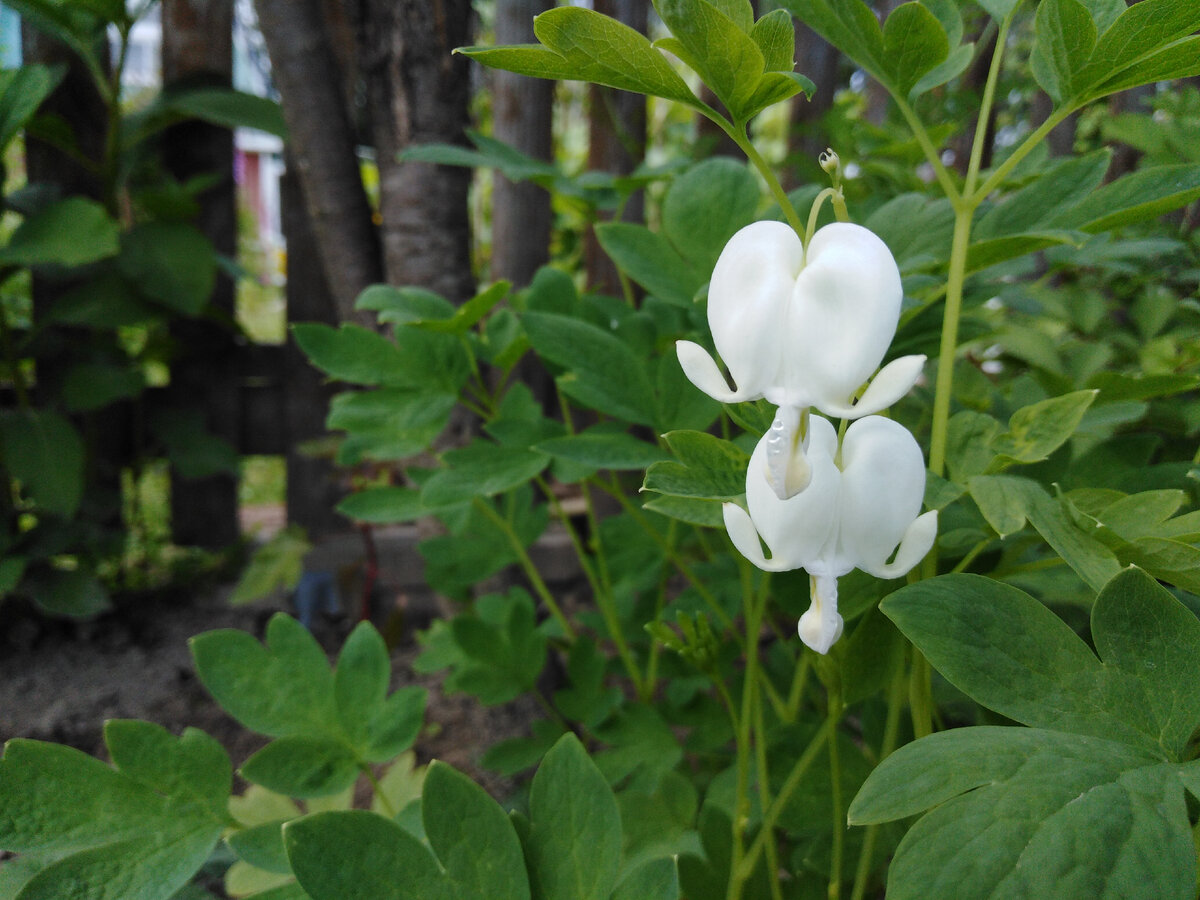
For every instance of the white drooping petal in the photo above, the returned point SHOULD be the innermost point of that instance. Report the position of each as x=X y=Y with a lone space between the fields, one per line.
x=891 y=383
x=841 y=319
x=883 y=485
x=748 y=295
x=704 y=373
x=798 y=528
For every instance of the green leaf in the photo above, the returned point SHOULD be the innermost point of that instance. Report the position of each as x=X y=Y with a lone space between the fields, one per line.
x=349 y=854
x=849 y=25
x=417 y=360
x=146 y=825
x=705 y=467
x=914 y=42
x=70 y=232
x=360 y=679
x=1010 y=653
x=573 y=848
x=1178 y=60
x=1064 y=35
x=394 y=725
x=193 y=766
x=1139 y=628
x=706 y=513
x=603 y=373
x=90 y=386
x=172 y=263
x=582 y=45
x=45 y=454
x=284 y=688
x=277 y=564
x=402 y=305
x=657 y=879
x=303 y=767
x=703 y=209
x=954 y=65
x=66 y=592
x=1139 y=34
x=384 y=505
x=776 y=39
x=472 y=837
x=649 y=259
x=262 y=847
x=194 y=451
x=503 y=652
x=388 y=423
x=998 y=9
x=1031 y=813
x=1091 y=560
x=1061 y=187
x=1175 y=562
x=230 y=109
x=488 y=153
x=104 y=301
x=604 y=449
x=22 y=91
x=481 y=469
x=1145 y=194
x=1003 y=507
x=1037 y=430
x=710 y=43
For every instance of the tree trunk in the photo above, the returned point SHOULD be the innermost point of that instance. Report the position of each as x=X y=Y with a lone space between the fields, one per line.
x=322 y=143
x=417 y=94
x=522 y=111
x=819 y=60
x=312 y=488
x=616 y=143
x=197 y=50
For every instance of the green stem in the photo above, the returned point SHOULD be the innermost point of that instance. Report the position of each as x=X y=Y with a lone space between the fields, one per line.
x=799 y=681
x=384 y=802
x=604 y=600
x=930 y=151
x=836 y=801
x=891 y=733
x=527 y=565
x=771 y=815
x=754 y=606
x=971 y=555
x=1026 y=146
x=920 y=699
x=949 y=344
x=985 y=107
x=738 y=136
x=764 y=797
x=672 y=556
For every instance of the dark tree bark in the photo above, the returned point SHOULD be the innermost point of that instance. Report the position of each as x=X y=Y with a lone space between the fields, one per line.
x=197 y=50
x=417 y=93
x=522 y=112
x=616 y=143
x=322 y=143
x=312 y=488
x=819 y=60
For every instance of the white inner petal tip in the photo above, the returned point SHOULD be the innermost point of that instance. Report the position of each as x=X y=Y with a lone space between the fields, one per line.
x=821 y=626
x=788 y=469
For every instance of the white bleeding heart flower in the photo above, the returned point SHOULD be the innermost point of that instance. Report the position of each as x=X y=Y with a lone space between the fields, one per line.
x=804 y=328
x=853 y=514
